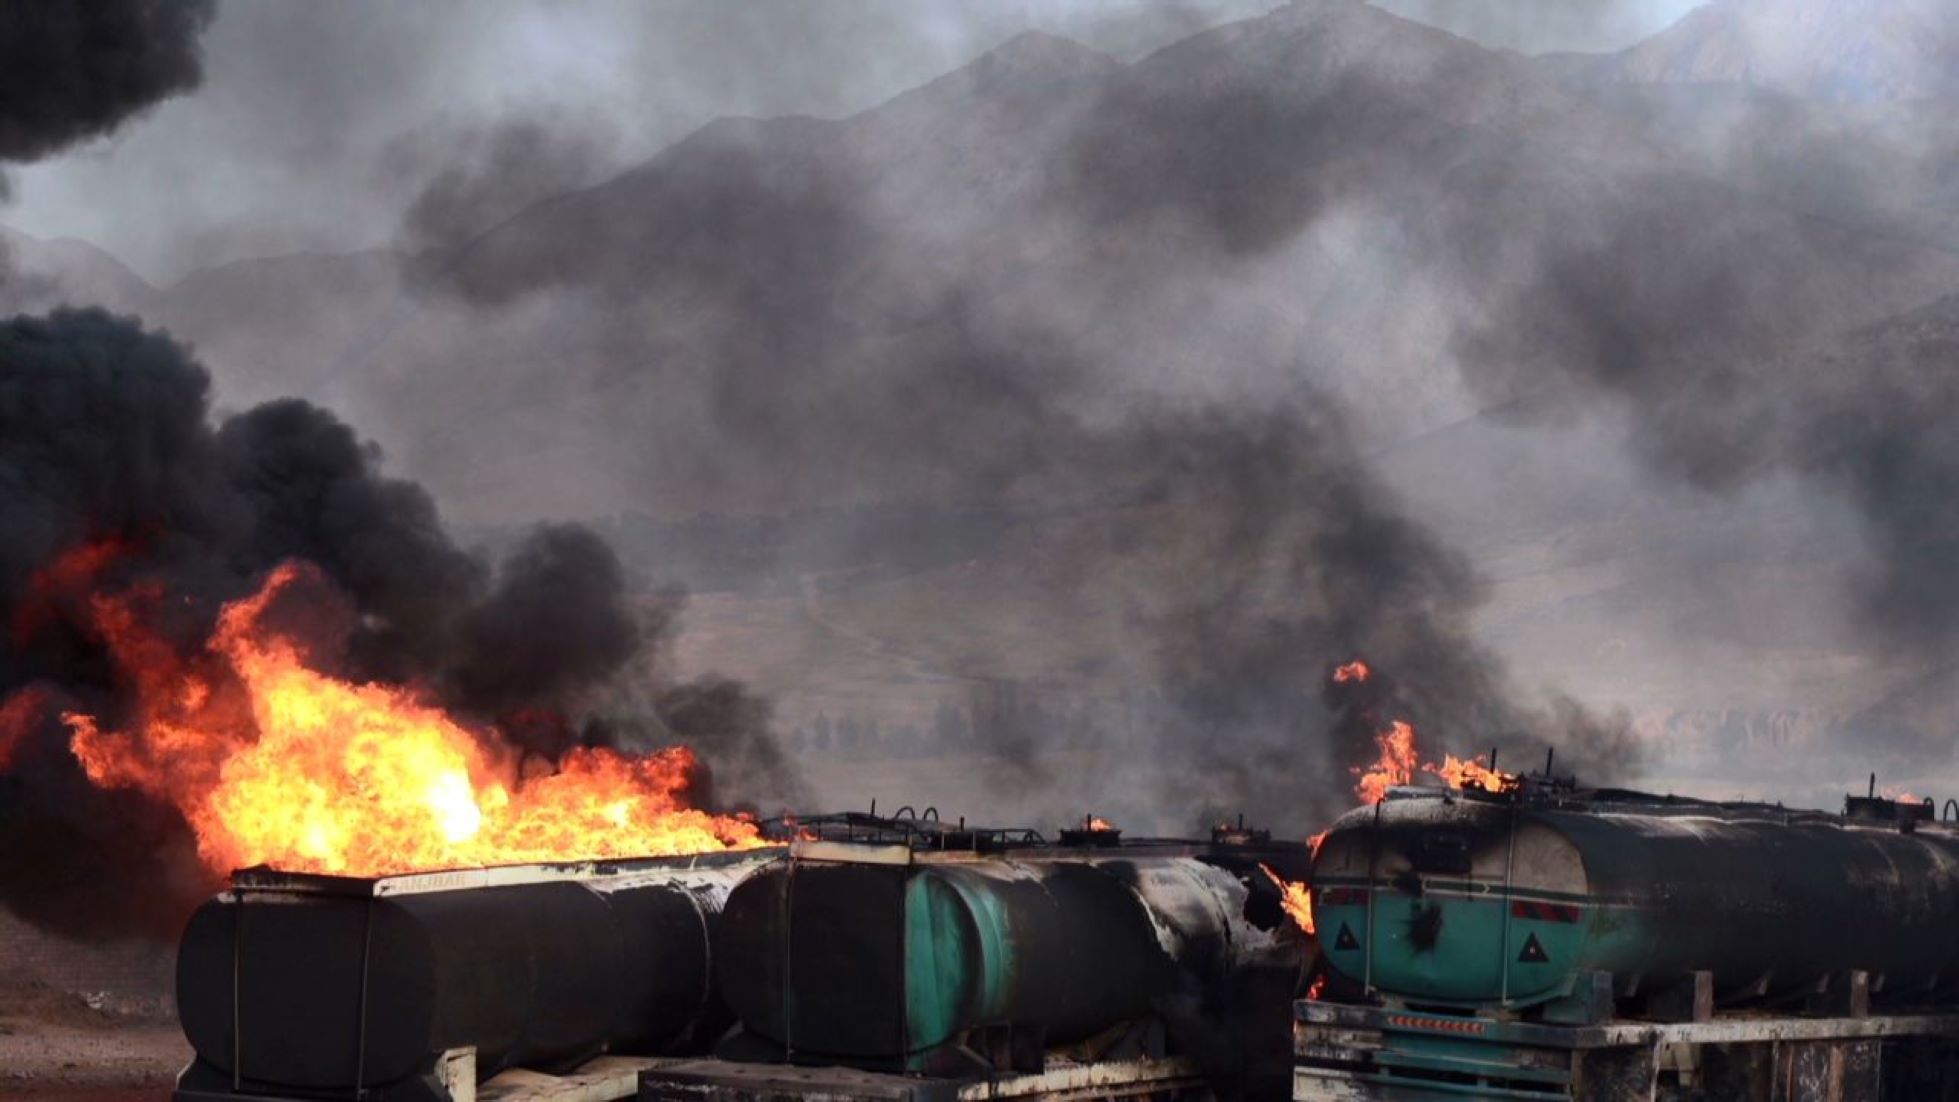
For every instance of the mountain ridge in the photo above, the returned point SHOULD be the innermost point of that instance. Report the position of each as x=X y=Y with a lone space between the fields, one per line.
x=1839 y=51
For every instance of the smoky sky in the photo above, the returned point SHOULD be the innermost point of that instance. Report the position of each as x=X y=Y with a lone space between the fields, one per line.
x=490 y=175
x=316 y=121
x=1538 y=26
x=978 y=294
x=1747 y=346
x=825 y=334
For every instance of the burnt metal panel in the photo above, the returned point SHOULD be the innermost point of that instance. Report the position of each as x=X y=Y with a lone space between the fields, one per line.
x=811 y=956
x=326 y=987
x=882 y=965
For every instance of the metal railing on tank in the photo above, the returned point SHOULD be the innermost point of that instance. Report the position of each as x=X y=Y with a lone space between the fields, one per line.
x=908 y=826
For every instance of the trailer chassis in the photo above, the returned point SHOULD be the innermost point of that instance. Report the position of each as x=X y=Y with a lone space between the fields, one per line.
x=1350 y=1053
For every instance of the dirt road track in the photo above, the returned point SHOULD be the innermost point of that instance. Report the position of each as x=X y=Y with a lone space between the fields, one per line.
x=106 y=1062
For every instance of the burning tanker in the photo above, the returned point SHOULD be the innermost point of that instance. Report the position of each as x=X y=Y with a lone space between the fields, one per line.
x=400 y=988
x=1399 y=762
x=236 y=643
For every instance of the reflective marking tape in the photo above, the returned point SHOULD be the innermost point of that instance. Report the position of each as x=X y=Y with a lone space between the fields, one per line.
x=1543 y=912
x=1438 y=1025
x=1533 y=909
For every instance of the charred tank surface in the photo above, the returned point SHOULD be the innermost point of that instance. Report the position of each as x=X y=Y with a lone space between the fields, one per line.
x=1451 y=899
x=880 y=963
x=295 y=984
x=899 y=958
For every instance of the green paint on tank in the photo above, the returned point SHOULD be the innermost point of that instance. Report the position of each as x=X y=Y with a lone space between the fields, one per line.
x=959 y=959
x=1456 y=950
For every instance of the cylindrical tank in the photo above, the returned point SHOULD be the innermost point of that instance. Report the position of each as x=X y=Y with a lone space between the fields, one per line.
x=319 y=989
x=876 y=964
x=1453 y=900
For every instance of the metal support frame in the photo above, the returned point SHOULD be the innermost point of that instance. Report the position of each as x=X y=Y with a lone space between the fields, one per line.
x=360 y=1026
x=1386 y=1054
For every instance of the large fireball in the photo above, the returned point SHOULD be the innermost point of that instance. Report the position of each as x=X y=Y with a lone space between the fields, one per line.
x=273 y=762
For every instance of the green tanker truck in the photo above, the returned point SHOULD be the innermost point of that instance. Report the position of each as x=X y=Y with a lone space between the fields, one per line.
x=1548 y=943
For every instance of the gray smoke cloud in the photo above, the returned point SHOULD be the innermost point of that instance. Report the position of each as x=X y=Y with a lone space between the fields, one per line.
x=1766 y=304
x=1176 y=307
x=295 y=142
x=857 y=346
x=309 y=116
x=1872 y=426
x=1233 y=549
x=1046 y=303
x=482 y=177
x=1701 y=327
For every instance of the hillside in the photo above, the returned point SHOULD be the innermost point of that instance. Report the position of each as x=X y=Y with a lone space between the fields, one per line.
x=1843 y=51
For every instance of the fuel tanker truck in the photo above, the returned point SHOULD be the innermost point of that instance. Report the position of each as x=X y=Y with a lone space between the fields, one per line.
x=1021 y=960
x=414 y=988
x=1550 y=942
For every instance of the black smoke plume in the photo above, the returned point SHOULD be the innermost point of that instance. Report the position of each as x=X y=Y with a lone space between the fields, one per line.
x=732 y=727
x=1258 y=553
x=555 y=623
x=107 y=440
x=729 y=725
x=69 y=72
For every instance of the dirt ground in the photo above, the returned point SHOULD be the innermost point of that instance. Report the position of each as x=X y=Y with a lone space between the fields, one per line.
x=55 y=1046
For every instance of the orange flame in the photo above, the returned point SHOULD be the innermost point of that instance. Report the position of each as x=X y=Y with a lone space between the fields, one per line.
x=1096 y=822
x=1295 y=897
x=19 y=714
x=1400 y=760
x=272 y=762
x=1470 y=773
x=1353 y=671
x=1395 y=766
x=72 y=571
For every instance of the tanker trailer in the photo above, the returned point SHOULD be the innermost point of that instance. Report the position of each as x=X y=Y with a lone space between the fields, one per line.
x=390 y=989
x=1555 y=943
x=890 y=959
x=1447 y=900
